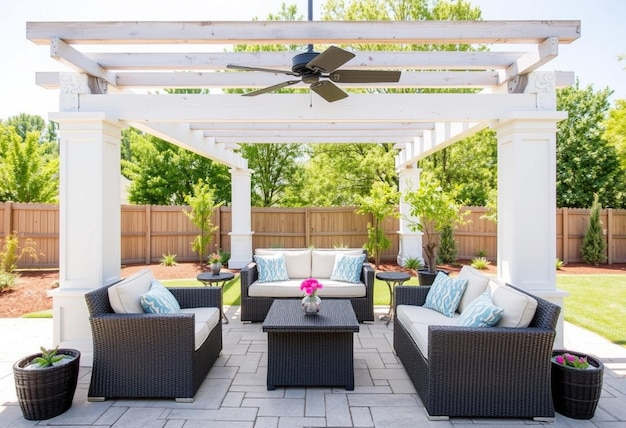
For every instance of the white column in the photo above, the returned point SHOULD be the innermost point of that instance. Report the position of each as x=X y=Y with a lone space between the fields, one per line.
x=241 y=235
x=410 y=242
x=89 y=230
x=527 y=204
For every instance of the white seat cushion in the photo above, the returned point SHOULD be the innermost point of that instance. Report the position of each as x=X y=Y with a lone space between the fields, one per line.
x=125 y=296
x=291 y=288
x=416 y=320
x=205 y=320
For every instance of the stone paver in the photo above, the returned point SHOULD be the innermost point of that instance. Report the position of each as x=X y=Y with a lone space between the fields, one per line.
x=235 y=395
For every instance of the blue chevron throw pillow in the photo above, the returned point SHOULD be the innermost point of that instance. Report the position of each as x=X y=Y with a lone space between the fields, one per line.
x=159 y=300
x=481 y=312
x=445 y=294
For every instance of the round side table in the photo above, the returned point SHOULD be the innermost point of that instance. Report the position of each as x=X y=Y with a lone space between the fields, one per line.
x=391 y=279
x=219 y=280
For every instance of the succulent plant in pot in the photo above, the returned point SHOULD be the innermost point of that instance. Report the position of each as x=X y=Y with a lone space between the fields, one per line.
x=45 y=382
x=432 y=209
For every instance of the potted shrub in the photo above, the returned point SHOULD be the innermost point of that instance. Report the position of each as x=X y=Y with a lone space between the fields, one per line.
x=45 y=383
x=434 y=209
x=576 y=383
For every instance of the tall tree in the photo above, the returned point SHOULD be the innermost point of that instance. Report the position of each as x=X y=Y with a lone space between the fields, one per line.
x=615 y=130
x=162 y=173
x=274 y=167
x=586 y=164
x=27 y=172
x=351 y=169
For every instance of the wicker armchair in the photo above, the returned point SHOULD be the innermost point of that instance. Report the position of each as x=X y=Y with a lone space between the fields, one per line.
x=151 y=355
x=481 y=372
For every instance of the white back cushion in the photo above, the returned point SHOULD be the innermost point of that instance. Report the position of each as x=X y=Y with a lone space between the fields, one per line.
x=298 y=263
x=125 y=296
x=323 y=261
x=519 y=308
x=476 y=285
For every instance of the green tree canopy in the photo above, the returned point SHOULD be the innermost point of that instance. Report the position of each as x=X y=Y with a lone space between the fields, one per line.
x=163 y=174
x=615 y=130
x=586 y=164
x=27 y=172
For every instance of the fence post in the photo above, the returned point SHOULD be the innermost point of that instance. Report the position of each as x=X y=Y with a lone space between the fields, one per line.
x=307 y=227
x=8 y=216
x=148 y=233
x=609 y=235
x=565 y=223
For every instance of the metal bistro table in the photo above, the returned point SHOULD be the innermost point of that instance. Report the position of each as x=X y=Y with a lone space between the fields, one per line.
x=207 y=278
x=310 y=350
x=392 y=279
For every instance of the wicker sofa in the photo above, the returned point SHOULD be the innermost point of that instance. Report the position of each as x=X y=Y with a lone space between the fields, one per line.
x=153 y=355
x=477 y=371
x=302 y=263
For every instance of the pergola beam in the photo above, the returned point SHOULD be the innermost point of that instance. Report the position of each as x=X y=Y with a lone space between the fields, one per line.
x=289 y=32
x=389 y=108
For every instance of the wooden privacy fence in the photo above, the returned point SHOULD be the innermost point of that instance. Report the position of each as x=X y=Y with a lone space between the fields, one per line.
x=149 y=231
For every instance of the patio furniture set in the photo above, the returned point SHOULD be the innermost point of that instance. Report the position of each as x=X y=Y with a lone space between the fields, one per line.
x=472 y=347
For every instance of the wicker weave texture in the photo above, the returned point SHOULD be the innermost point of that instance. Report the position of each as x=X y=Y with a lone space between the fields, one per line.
x=46 y=393
x=481 y=372
x=151 y=355
x=310 y=350
x=576 y=392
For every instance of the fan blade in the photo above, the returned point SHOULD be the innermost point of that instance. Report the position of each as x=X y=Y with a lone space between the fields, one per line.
x=328 y=90
x=330 y=60
x=364 y=76
x=267 y=70
x=271 y=88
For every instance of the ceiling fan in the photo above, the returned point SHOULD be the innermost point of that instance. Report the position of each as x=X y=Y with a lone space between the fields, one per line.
x=320 y=70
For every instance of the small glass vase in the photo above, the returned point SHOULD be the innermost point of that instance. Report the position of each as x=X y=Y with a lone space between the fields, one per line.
x=311 y=305
x=215 y=268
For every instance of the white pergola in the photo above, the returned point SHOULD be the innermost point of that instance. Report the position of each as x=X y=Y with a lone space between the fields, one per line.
x=114 y=85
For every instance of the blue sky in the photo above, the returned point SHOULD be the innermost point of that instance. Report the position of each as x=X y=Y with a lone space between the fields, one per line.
x=593 y=57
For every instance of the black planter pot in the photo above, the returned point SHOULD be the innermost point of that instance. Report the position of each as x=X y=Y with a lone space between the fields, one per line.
x=46 y=393
x=425 y=277
x=576 y=392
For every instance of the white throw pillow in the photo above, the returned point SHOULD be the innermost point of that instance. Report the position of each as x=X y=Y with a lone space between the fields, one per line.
x=125 y=296
x=519 y=308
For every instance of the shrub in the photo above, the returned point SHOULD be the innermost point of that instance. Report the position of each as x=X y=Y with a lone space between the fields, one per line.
x=168 y=260
x=559 y=264
x=413 y=263
x=11 y=253
x=447 y=245
x=7 y=279
x=594 y=247
x=480 y=263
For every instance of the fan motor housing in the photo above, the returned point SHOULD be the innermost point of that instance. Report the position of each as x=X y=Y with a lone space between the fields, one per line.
x=300 y=61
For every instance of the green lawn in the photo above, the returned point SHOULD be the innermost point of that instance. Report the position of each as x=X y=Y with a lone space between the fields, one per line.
x=597 y=303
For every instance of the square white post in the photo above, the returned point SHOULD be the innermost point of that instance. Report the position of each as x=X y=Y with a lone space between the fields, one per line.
x=89 y=229
x=527 y=204
x=241 y=235
x=410 y=242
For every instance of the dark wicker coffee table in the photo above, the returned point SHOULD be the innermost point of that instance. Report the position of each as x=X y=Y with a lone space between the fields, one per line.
x=315 y=350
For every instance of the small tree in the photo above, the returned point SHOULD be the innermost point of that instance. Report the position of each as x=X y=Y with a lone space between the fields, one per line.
x=434 y=210
x=594 y=247
x=447 y=245
x=202 y=204
x=380 y=203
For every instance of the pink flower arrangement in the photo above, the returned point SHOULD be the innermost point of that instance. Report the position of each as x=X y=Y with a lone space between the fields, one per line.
x=570 y=360
x=310 y=286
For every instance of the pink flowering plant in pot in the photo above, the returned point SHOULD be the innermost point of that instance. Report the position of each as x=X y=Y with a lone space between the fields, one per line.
x=569 y=360
x=311 y=303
